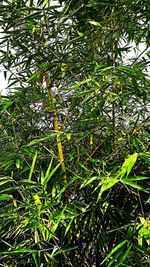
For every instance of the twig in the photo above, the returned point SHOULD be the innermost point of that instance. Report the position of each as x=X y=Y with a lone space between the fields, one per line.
x=139 y=56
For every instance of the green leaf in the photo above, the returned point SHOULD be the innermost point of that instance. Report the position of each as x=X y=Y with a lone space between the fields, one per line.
x=49 y=167
x=84 y=167
x=5 y=197
x=18 y=163
x=19 y=250
x=80 y=33
x=40 y=140
x=69 y=225
x=32 y=166
x=106 y=184
x=123 y=256
x=127 y=166
x=137 y=178
x=9 y=190
x=4 y=180
x=146 y=157
x=82 y=82
x=34 y=255
x=148 y=201
x=68 y=135
x=32 y=77
x=29 y=182
x=49 y=175
x=120 y=245
x=134 y=185
x=6 y=105
x=89 y=181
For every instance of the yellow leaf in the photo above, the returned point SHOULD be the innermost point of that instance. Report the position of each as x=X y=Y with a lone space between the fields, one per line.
x=25 y=222
x=68 y=136
x=128 y=164
x=36 y=237
x=15 y=203
x=80 y=34
x=45 y=3
x=91 y=139
x=37 y=200
x=142 y=220
x=95 y=23
x=53 y=192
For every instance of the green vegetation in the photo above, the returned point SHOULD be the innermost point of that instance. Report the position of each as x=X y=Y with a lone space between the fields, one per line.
x=74 y=134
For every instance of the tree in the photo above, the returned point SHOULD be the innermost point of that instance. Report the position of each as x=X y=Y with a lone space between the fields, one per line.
x=74 y=134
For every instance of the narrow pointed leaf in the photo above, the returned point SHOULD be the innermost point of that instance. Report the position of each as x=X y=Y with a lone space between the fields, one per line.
x=32 y=166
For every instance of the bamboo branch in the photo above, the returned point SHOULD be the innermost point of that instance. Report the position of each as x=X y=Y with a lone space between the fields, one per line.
x=136 y=59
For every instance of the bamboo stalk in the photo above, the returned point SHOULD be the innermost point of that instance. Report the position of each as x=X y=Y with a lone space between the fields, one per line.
x=114 y=89
x=56 y=128
x=40 y=76
x=113 y=123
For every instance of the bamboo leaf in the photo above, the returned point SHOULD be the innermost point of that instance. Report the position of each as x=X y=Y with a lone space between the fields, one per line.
x=137 y=178
x=68 y=226
x=89 y=181
x=4 y=180
x=19 y=250
x=120 y=245
x=95 y=23
x=5 y=197
x=49 y=168
x=134 y=185
x=68 y=135
x=49 y=175
x=32 y=166
x=40 y=140
x=127 y=166
x=32 y=77
x=45 y=3
x=107 y=184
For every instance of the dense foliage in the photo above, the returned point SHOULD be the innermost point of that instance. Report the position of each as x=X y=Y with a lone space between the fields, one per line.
x=74 y=134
